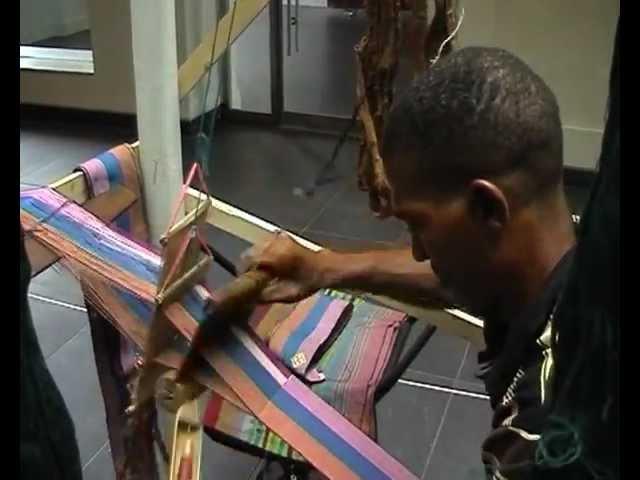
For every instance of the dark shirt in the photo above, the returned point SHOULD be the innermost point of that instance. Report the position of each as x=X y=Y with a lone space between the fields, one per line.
x=48 y=447
x=516 y=384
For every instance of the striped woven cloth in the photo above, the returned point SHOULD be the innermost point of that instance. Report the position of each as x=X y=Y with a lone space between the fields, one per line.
x=350 y=367
x=119 y=166
x=119 y=278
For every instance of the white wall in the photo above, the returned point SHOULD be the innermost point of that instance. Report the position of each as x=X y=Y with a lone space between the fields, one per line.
x=253 y=46
x=567 y=42
x=40 y=19
x=111 y=88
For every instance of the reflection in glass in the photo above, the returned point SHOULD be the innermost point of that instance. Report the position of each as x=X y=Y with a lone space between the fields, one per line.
x=55 y=23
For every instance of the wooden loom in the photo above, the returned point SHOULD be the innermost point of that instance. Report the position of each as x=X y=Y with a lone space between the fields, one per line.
x=185 y=426
x=254 y=230
x=186 y=431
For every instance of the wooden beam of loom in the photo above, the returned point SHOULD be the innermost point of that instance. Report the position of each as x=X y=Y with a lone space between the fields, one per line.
x=192 y=70
x=254 y=230
x=184 y=262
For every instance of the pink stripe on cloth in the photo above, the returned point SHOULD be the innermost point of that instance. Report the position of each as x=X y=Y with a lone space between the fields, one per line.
x=310 y=345
x=368 y=360
x=366 y=366
x=394 y=317
x=97 y=174
x=258 y=315
x=276 y=419
x=347 y=431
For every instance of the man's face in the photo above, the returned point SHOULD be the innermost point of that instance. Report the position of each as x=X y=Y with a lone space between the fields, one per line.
x=445 y=231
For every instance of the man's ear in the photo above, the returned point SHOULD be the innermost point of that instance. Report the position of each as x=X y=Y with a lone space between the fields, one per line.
x=488 y=204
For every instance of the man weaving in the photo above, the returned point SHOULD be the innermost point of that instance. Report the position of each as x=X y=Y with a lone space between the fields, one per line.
x=473 y=157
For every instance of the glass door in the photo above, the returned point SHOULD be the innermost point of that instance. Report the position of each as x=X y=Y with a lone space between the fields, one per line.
x=56 y=35
x=252 y=73
x=67 y=55
x=319 y=68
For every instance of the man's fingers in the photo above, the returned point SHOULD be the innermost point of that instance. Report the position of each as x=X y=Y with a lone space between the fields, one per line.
x=257 y=255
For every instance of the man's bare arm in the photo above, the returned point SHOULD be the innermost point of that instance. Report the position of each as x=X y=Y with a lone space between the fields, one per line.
x=300 y=272
x=393 y=273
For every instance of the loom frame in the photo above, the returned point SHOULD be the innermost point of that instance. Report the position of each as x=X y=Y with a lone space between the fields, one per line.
x=253 y=229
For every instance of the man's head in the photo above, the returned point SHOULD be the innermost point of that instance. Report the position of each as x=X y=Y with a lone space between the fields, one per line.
x=473 y=155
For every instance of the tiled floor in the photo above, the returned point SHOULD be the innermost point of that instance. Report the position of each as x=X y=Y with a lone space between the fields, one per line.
x=435 y=433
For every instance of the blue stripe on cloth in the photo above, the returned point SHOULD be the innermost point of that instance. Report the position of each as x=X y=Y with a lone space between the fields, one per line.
x=85 y=239
x=114 y=173
x=143 y=310
x=195 y=305
x=306 y=327
x=123 y=222
x=304 y=418
x=248 y=363
x=112 y=166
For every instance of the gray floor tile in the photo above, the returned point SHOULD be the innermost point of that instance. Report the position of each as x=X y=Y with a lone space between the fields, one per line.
x=55 y=325
x=47 y=152
x=408 y=419
x=457 y=452
x=218 y=461
x=101 y=466
x=348 y=215
x=57 y=283
x=73 y=369
x=441 y=356
x=258 y=170
x=468 y=379
x=428 y=378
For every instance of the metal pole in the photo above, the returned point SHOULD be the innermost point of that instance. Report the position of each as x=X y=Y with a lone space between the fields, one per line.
x=155 y=64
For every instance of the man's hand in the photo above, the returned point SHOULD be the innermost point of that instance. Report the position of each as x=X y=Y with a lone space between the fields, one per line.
x=297 y=271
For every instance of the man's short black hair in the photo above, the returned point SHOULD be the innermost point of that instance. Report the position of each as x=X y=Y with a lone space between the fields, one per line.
x=476 y=113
